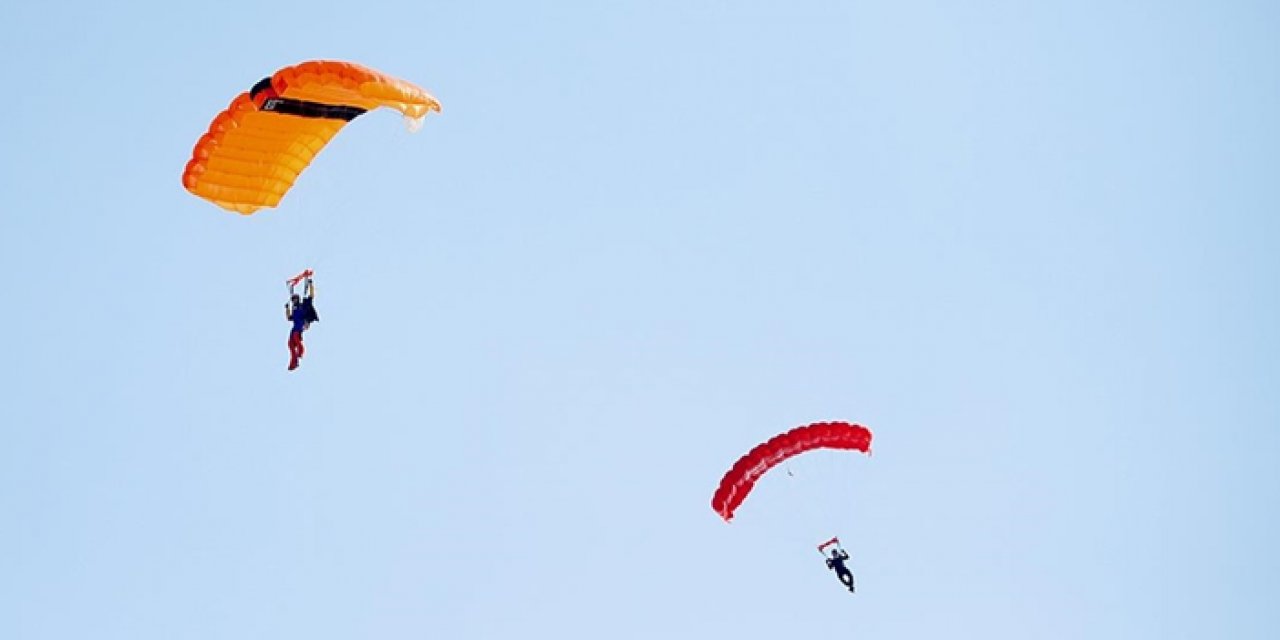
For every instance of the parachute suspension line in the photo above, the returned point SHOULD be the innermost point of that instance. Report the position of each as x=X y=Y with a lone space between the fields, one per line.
x=815 y=495
x=308 y=226
x=818 y=496
x=848 y=488
x=821 y=488
x=811 y=491
x=315 y=236
x=835 y=469
x=851 y=485
x=799 y=495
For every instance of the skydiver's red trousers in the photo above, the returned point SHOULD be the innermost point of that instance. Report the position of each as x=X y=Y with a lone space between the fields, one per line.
x=295 y=349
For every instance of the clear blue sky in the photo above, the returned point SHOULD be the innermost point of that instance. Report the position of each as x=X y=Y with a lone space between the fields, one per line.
x=1034 y=246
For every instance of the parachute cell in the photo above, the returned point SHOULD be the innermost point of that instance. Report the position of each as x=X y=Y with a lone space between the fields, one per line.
x=738 y=482
x=255 y=149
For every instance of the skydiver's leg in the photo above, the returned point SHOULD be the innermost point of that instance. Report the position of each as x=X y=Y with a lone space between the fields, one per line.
x=846 y=578
x=294 y=342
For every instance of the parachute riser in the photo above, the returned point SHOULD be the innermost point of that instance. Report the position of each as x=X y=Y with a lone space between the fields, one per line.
x=834 y=541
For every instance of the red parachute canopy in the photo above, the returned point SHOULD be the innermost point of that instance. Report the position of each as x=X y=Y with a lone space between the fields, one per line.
x=739 y=481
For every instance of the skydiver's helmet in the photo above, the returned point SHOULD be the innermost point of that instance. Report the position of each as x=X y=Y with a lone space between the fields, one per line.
x=835 y=552
x=295 y=298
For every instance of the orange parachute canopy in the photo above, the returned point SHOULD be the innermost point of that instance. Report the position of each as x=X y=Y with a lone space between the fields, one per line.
x=256 y=148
